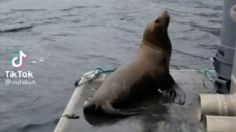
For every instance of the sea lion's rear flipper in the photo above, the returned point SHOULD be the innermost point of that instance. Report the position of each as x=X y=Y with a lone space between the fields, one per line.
x=173 y=91
x=109 y=109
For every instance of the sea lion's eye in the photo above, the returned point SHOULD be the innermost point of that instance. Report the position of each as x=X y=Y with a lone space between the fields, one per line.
x=157 y=21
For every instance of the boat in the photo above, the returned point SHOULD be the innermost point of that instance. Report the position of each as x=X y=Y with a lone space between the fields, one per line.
x=161 y=115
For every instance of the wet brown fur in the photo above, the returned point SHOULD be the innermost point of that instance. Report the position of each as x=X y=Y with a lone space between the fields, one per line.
x=146 y=73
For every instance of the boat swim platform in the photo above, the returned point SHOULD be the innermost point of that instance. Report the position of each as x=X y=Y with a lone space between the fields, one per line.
x=160 y=115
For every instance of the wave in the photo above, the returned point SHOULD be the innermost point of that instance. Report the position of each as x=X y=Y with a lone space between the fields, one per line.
x=15 y=28
x=45 y=126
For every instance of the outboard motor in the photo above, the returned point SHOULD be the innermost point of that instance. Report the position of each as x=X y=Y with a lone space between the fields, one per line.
x=223 y=60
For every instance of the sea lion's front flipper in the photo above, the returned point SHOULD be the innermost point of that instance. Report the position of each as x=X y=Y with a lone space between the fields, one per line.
x=173 y=91
x=176 y=93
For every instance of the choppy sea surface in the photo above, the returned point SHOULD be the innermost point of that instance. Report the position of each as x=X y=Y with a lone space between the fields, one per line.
x=64 y=39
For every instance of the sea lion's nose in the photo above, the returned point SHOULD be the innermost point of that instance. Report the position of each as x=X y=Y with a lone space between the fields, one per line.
x=165 y=12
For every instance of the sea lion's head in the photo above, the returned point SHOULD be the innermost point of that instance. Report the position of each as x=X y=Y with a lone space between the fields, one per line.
x=156 y=32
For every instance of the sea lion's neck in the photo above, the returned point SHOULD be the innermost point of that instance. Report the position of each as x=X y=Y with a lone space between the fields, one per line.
x=165 y=47
x=149 y=50
x=152 y=55
x=154 y=46
x=162 y=42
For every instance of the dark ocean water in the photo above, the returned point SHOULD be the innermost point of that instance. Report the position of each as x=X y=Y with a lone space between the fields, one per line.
x=63 y=39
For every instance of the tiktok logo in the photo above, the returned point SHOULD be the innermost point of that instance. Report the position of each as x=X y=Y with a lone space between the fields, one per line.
x=19 y=77
x=18 y=60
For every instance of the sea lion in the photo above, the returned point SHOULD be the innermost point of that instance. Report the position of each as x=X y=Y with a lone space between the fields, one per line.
x=148 y=72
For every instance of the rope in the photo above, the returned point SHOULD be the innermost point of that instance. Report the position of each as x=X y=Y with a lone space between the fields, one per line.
x=94 y=75
x=100 y=70
x=210 y=74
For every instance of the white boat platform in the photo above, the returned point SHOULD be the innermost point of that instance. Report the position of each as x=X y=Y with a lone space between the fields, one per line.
x=162 y=116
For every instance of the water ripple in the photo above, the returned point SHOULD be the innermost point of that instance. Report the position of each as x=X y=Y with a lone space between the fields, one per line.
x=34 y=126
x=211 y=30
x=15 y=28
x=189 y=54
x=79 y=7
x=27 y=10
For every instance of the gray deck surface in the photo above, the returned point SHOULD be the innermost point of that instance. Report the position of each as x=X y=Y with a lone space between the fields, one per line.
x=160 y=116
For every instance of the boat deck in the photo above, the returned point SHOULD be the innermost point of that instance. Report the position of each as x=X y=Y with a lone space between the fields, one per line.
x=161 y=115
